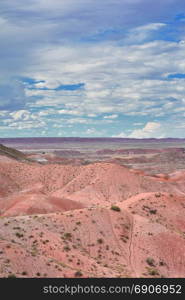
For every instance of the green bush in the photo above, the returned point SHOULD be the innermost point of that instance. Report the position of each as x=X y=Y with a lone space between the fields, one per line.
x=115 y=208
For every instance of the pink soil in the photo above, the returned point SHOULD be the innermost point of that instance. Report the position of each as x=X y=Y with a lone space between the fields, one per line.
x=57 y=221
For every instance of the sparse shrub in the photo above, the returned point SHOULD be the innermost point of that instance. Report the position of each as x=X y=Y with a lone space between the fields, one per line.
x=12 y=276
x=24 y=273
x=150 y=261
x=162 y=263
x=19 y=235
x=153 y=211
x=78 y=274
x=67 y=235
x=115 y=208
x=67 y=248
x=153 y=272
x=100 y=241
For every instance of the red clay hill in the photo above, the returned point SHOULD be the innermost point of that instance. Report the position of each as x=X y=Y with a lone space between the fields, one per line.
x=95 y=220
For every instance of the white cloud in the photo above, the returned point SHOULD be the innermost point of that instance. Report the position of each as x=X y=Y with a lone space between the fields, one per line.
x=90 y=131
x=138 y=124
x=94 y=132
x=120 y=135
x=20 y=115
x=3 y=113
x=27 y=125
x=142 y=33
x=77 y=121
x=69 y=112
x=123 y=74
x=118 y=79
x=151 y=129
x=111 y=117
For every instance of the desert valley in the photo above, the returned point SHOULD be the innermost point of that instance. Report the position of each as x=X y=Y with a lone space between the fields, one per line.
x=92 y=208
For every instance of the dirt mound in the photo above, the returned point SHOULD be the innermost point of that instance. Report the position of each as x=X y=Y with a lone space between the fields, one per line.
x=100 y=242
x=90 y=185
x=101 y=183
x=35 y=203
x=95 y=220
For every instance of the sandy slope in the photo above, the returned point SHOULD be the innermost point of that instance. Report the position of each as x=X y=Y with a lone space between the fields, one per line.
x=57 y=221
x=98 y=242
x=91 y=185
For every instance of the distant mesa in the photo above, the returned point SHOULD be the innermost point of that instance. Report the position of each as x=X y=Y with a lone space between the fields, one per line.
x=12 y=153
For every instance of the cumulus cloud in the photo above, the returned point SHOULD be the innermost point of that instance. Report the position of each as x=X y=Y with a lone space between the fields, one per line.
x=151 y=129
x=121 y=58
x=125 y=79
x=20 y=115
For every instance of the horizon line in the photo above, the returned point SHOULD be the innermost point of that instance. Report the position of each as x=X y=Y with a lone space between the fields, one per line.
x=78 y=137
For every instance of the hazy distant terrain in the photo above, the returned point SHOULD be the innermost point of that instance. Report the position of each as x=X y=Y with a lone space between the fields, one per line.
x=152 y=155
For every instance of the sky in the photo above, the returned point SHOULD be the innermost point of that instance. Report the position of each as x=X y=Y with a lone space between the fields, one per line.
x=92 y=68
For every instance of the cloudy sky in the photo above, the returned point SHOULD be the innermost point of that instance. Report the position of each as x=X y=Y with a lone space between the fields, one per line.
x=92 y=68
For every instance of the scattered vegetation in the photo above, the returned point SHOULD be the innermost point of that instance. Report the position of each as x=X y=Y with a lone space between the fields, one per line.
x=24 y=273
x=100 y=241
x=162 y=263
x=153 y=211
x=67 y=248
x=150 y=261
x=67 y=235
x=78 y=274
x=19 y=235
x=12 y=276
x=115 y=208
x=153 y=272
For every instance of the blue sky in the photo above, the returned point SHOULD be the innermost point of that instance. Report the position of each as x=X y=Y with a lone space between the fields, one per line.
x=92 y=68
